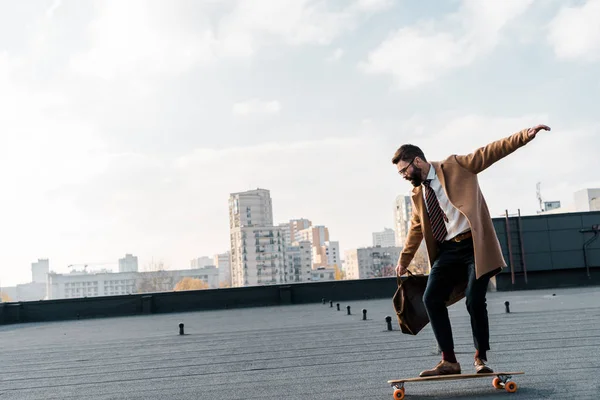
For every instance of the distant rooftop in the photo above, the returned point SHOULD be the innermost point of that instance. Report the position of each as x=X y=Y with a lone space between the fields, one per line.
x=303 y=352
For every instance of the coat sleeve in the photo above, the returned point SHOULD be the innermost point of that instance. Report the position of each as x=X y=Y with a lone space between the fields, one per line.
x=485 y=156
x=413 y=240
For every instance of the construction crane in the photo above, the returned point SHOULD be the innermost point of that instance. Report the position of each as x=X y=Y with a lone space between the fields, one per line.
x=85 y=265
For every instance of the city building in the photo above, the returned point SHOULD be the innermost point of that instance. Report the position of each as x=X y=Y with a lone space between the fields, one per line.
x=39 y=270
x=583 y=200
x=402 y=216
x=298 y=265
x=371 y=262
x=257 y=256
x=385 y=238
x=201 y=262
x=223 y=263
x=34 y=290
x=329 y=255
x=325 y=253
x=323 y=274
x=128 y=264
x=296 y=225
x=104 y=283
x=286 y=232
x=257 y=247
x=586 y=199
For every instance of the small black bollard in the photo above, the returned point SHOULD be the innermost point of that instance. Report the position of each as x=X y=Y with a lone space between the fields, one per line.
x=507 y=305
x=331 y=303
x=388 y=320
x=364 y=314
x=338 y=306
x=181 y=328
x=348 y=308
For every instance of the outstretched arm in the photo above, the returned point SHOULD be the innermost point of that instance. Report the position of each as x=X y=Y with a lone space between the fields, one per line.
x=413 y=241
x=485 y=156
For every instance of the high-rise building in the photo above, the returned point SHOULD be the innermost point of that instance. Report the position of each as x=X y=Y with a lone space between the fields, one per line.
x=385 y=238
x=257 y=247
x=286 y=232
x=402 y=216
x=222 y=262
x=40 y=270
x=317 y=235
x=326 y=255
x=298 y=262
x=297 y=225
x=292 y=228
x=128 y=264
x=251 y=208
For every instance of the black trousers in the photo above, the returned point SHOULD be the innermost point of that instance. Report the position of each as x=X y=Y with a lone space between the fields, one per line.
x=455 y=262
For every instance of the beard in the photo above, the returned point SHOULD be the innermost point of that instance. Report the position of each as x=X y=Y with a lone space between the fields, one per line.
x=415 y=177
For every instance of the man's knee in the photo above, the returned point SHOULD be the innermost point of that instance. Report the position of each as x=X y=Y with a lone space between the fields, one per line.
x=475 y=299
x=431 y=299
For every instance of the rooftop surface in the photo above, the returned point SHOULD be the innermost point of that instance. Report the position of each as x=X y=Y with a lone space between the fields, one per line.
x=304 y=352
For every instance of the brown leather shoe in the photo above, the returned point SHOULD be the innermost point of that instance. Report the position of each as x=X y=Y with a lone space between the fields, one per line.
x=481 y=366
x=443 y=368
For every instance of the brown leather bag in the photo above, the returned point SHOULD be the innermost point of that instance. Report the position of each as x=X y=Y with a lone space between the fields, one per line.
x=408 y=302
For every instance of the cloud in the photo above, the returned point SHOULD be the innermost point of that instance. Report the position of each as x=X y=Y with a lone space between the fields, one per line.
x=423 y=52
x=575 y=32
x=52 y=9
x=256 y=107
x=295 y=22
x=143 y=39
x=336 y=55
x=146 y=39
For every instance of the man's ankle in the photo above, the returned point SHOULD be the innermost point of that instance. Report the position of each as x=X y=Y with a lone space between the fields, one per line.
x=449 y=356
x=481 y=354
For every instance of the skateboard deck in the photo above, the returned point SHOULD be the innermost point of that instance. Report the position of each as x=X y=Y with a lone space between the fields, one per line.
x=502 y=380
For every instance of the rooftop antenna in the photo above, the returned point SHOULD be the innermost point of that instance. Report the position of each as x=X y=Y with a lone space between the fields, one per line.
x=539 y=194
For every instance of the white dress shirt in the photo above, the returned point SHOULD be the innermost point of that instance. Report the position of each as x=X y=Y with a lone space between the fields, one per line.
x=457 y=222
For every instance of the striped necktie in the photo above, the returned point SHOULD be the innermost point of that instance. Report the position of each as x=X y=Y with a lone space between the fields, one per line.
x=436 y=215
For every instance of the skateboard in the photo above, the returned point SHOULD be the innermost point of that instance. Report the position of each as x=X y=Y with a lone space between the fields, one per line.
x=502 y=380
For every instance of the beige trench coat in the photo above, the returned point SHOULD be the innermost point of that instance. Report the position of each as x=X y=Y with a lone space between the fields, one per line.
x=458 y=177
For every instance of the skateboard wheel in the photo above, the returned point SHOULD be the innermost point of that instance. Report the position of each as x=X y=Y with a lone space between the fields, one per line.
x=399 y=394
x=497 y=383
x=510 y=387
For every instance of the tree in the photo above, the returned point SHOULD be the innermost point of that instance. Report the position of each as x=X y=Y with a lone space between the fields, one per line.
x=5 y=298
x=224 y=284
x=155 y=278
x=188 y=283
x=339 y=274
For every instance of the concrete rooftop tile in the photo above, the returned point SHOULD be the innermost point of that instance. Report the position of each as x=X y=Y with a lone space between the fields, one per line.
x=304 y=352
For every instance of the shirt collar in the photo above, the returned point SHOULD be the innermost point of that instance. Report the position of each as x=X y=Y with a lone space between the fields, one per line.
x=431 y=175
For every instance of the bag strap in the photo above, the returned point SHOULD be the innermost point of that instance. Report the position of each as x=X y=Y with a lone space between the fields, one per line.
x=399 y=279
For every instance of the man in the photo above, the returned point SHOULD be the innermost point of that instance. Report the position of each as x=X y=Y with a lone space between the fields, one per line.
x=450 y=213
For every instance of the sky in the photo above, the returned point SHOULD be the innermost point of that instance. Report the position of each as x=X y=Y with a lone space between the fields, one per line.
x=124 y=126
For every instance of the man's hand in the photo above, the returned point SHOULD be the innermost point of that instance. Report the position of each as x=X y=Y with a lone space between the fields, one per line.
x=400 y=270
x=534 y=131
